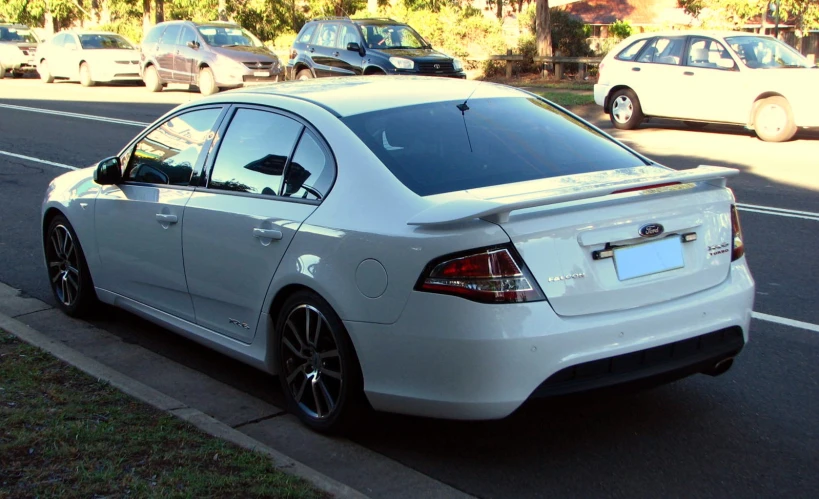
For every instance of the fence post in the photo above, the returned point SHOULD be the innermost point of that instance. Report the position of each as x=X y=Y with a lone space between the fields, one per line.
x=508 y=64
x=558 y=67
x=581 y=71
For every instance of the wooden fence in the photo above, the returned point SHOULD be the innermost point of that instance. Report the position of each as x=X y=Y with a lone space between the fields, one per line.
x=558 y=62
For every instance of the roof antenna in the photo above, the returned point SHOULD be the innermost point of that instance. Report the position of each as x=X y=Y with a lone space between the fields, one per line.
x=464 y=107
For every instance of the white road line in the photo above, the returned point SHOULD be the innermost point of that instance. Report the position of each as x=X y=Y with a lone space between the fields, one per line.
x=788 y=215
x=783 y=210
x=75 y=115
x=36 y=160
x=786 y=322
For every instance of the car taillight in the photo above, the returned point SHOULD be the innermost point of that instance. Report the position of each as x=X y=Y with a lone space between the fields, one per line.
x=737 y=246
x=489 y=275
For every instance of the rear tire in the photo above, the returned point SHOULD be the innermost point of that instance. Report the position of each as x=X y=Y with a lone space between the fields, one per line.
x=773 y=120
x=85 y=75
x=626 y=113
x=68 y=274
x=318 y=367
x=45 y=73
x=207 y=83
x=151 y=79
x=304 y=74
x=2 y=72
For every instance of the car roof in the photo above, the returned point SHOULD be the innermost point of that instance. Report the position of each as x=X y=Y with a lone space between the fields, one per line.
x=14 y=25
x=361 y=20
x=88 y=32
x=362 y=94
x=699 y=32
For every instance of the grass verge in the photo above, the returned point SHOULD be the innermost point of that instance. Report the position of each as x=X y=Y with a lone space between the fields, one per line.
x=65 y=434
x=566 y=98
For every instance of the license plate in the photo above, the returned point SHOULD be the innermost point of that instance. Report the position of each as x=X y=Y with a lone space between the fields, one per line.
x=263 y=74
x=648 y=258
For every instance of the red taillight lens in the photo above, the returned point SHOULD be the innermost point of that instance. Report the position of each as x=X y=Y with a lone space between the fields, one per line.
x=737 y=246
x=492 y=275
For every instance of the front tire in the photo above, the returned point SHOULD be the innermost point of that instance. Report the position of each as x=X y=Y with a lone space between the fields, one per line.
x=45 y=73
x=68 y=273
x=151 y=79
x=207 y=83
x=304 y=74
x=318 y=368
x=85 y=75
x=773 y=120
x=626 y=113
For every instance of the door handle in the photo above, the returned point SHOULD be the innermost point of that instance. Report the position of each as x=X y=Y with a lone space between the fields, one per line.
x=688 y=73
x=311 y=49
x=335 y=54
x=267 y=234
x=166 y=219
x=635 y=69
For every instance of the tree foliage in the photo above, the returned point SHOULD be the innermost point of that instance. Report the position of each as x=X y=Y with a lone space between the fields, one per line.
x=736 y=13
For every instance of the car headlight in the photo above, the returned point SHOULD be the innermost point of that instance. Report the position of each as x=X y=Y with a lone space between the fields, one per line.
x=456 y=65
x=401 y=63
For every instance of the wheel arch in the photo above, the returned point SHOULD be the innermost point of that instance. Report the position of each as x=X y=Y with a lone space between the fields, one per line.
x=48 y=216
x=612 y=90
x=758 y=100
x=300 y=66
x=370 y=70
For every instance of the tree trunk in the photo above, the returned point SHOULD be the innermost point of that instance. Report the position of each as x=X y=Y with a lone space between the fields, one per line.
x=146 y=16
x=763 y=21
x=160 y=11
x=48 y=19
x=543 y=28
x=223 y=10
x=499 y=5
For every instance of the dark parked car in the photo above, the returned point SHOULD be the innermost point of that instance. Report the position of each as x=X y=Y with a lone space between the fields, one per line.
x=340 y=46
x=18 y=45
x=211 y=55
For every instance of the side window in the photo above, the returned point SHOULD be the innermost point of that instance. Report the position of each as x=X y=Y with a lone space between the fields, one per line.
x=347 y=34
x=630 y=52
x=311 y=172
x=253 y=152
x=187 y=36
x=153 y=35
x=307 y=33
x=326 y=35
x=169 y=153
x=707 y=53
x=58 y=40
x=69 y=42
x=171 y=34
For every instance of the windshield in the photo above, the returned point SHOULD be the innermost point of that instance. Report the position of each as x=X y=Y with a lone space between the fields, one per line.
x=383 y=36
x=91 y=42
x=435 y=148
x=228 y=36
x=763 y=52
x=17 y=35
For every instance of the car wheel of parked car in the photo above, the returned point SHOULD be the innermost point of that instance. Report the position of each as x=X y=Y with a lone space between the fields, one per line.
x=207 y=83
x=318 y=367
x=67 y=270
x=2 y=72
x=151 y=79
x=45 y=73
x=695 y=125
x=85 y=75
x=626 y=113
x=773 y=120
x=304 y=74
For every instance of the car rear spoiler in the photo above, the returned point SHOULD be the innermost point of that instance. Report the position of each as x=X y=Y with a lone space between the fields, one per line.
x=497 y=209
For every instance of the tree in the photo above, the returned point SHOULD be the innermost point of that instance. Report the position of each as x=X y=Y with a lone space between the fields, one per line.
x=543 y=29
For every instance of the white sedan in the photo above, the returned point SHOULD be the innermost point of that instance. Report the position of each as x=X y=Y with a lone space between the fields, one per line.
x=88 y=57
x=706 y=77
x=442 y=248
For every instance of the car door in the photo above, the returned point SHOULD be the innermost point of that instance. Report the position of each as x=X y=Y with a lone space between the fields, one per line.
x=185 y=57
x=138 y=222
x=346 y=62
x=68 y=58
x=166 y=52
x=51 y=52
x=324 y=45
x=237 y=229
x=656 y=81
x=713 y=83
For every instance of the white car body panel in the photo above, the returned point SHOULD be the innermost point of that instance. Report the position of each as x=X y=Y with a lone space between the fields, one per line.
x=105 y=64
x=420 y=353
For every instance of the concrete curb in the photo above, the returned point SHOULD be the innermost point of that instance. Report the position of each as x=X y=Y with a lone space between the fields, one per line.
x=178 y=409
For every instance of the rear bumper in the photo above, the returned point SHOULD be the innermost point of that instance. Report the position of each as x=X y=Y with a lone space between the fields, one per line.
x=451 y=358
x=601 y=92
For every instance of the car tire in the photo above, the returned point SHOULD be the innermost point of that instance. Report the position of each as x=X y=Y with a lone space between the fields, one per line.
x=318 y=369
x=151 y=79
x=2 y=72
x=695 y=125
x=68 y=273
x=85 y=75
x=304 y=74
x=773 y=120
x=206 y=82
x=45 y=73
x=625 y=112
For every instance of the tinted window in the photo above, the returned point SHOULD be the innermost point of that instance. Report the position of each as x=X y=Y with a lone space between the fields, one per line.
x=434 y=148
x=306 y=33
x=169 y=153
x=348 y=34
x=326 y=35
x=663 y=51
x=253 y=153
x=310 y=174
x=153 y=35
x=630 y=52
x=707 y=53
x=188 y=35
x=171 y=34
x=90 y=42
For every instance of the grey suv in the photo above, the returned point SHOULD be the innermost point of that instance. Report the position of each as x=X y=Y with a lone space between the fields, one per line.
x=211 y=55
x=18 y=45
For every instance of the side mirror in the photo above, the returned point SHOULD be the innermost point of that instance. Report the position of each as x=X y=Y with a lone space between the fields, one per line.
x=354 y=47
x=109 y=171
x=193 y=44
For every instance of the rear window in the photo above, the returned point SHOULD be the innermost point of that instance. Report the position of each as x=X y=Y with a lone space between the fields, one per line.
x=435 y=148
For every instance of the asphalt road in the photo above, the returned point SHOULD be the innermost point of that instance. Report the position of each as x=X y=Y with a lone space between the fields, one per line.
x=750 y=433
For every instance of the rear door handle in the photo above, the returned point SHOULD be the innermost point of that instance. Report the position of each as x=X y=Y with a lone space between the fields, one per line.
x=166 y=219
x=267 y=234
x=688 y=73
x=311 y=49
x=635 y=69
x=335 y=54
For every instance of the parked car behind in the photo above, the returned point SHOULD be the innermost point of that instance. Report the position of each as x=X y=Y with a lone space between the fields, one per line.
x=212 y=56
x=340 y=46
x=710 y=77
x=18 y=46
x=89 y=57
